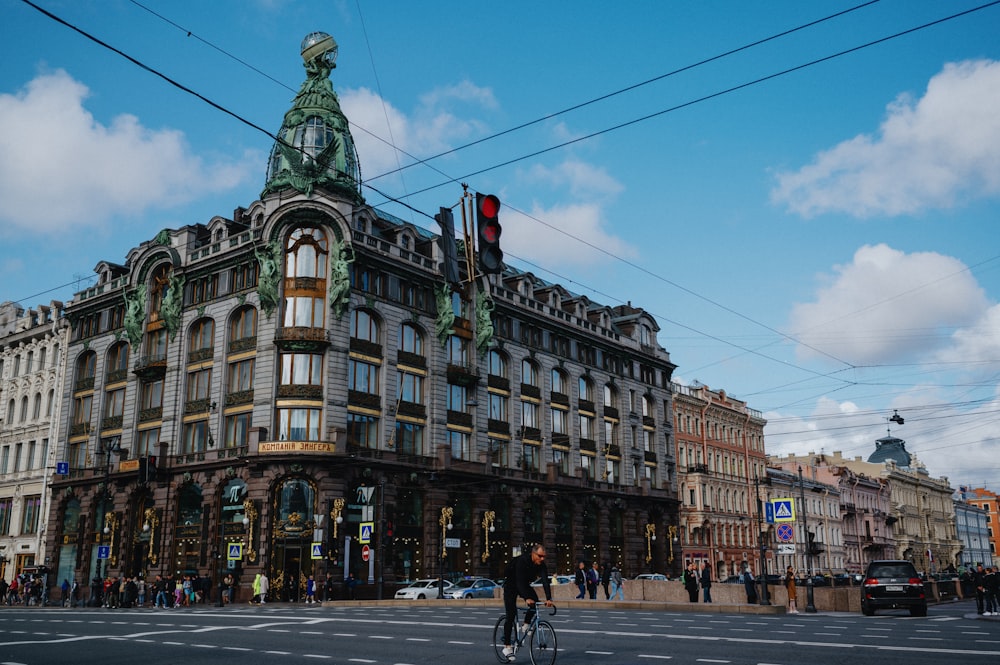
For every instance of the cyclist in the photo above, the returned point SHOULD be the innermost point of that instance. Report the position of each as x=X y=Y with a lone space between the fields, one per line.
x=518 y=576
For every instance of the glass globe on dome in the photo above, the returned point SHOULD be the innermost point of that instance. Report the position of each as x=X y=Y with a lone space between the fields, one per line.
x=319 y=44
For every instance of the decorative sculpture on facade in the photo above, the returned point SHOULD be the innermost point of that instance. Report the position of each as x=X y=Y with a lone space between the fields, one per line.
x=341 y=258
x=135 y=313
x=484 y=321
x=173 y=302
x=446 y=315
x=267 y=283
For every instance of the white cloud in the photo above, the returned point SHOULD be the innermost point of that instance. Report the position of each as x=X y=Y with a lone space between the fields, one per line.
x=978 y=342
x=934 y=153
x=59 y=167
x=433 y=127
x=886 y=305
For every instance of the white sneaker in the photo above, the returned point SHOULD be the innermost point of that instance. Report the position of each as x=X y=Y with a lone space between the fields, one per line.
x=508 y=653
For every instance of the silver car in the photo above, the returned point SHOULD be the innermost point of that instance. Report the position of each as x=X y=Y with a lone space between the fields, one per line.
x=420 y=589
x=474 y=588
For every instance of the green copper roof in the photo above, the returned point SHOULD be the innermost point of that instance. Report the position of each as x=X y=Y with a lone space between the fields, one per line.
x=316 y=148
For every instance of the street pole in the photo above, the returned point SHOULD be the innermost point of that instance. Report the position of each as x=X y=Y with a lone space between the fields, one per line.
x=762 y=572
x=810 y=604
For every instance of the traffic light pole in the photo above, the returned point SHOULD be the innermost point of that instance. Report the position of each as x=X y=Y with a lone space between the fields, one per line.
x=762 y=572
x=810 y=603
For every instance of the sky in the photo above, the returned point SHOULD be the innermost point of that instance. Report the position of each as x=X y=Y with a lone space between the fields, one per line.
x=803 y=194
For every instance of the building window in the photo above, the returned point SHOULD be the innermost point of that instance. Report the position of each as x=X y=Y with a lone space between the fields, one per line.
x=202 y=335
x=148 y=441
x=410 y=438
x=306 y=253
x=30 y=510
x=114 y=404
x=559 y=418
x=151 y=395
x=363 y=377
x=117 y=360
x=364 y=327
x=302 y=369
x=362 y=430
x=410 y=339
x=77 y=455
x=156 y=345
x=459 y=442
x=299 y=424
x=6 y=508
x=411 y=387
x=458 y=351
x=529 y=373
x=497 y=364
x=195 y=437
x=558 y=381
x=245 y=276
x=529 y=414
x=240 y=376
x=243 y=324
x=199 y=384
x=498 y=407
x=238 y=430
x=532 y=460
x=561 y=460
x=304 y=312
x=586 y=388
x=81 y=409
x=457 y=398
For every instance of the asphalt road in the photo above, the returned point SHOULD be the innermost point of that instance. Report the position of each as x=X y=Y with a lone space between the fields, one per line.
x=454 y=634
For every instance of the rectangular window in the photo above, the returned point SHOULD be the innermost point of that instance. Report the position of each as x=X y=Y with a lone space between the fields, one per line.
x=587 y=464
x=6 y=507
x=240 y=376
x=299 y=424
x=17 y=457
x=199 y=384
x=498 y=407
x=238 y=430
x=362 y=430
x=460 y=444
x=532 y=458
x=114 y=403
x=559 y=421
x=195 y=437
x=81 y=409
x=29 y=463
x=561 y=459
x=409 y=438
x=152 y=395
x=411 y=387
x=529 y=414
x=363 y=377
x=29 y=516
x=77 y=455
x=302 y=369
x=148 y=441
x=5 y=459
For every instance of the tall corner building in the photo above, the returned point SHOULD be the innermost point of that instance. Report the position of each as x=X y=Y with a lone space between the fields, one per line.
x=297 y=390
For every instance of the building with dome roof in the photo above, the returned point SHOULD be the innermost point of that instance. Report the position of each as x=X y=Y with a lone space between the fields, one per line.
x=295 y=389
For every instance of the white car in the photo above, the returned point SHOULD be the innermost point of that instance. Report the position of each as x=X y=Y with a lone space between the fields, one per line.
x=420 y=589
x=651 y=576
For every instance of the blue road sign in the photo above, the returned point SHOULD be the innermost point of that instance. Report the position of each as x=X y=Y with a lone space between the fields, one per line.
x=104 y=551
x=62 y=468
x=365 y=532
x=317 y=550
x=784 y=510
x=769 y=513
x=235 y=551
x=785 y=532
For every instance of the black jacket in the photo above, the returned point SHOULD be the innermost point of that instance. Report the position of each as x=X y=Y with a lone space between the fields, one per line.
x=519 y=575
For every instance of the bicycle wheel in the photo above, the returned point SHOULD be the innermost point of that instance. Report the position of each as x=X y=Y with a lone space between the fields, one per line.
x=543 y=644
x=498 y=638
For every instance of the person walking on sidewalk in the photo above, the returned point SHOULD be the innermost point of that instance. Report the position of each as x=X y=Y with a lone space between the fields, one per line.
x=581 y=580
x=617 y=590
x=706 y=582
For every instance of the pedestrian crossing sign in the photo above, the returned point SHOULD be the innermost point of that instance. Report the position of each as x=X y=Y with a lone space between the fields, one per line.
x=784 y=509
x=317 y=550
x=365 y=532
x=235 y=552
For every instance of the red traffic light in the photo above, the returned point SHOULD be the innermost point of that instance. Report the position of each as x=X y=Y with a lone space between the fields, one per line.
x=489 y=205
x=491 y=232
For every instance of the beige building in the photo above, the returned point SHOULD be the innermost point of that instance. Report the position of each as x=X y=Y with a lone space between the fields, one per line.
x=720 y=451
x=921 y=517
x=31 y=373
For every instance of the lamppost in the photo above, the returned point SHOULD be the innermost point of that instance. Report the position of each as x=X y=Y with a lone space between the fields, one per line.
x=761 y=546
x=488 y=527
x=650 y=539
x=810 y=604
x=108 y=447
x=445 y=522
x=672 y=540
x=152 y=520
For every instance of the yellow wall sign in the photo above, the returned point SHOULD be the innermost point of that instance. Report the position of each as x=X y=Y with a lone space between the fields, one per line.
x=784 y=509
x=296 y=447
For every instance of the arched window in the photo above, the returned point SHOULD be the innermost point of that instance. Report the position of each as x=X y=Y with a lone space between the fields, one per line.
x=364 y=326
x=411 y=340
x=117 y=363
x=529 y=373
x=296 y=504
x=558 y=378
x=243 y=325
x=586 y=387
x=202 y=338
x=306 y=253
x=610 y=396
x=24 y=408
x=497 y=363
x=306 y=256
x=86 y=366
x=36 y=410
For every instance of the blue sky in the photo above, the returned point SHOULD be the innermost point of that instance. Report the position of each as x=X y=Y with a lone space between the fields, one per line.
x=820 y=243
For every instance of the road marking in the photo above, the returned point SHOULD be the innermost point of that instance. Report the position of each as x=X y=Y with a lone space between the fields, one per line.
x=381 y=637
x=316 y=655
x=650 y=655
x=280 y=653
x=710 y=660
x=934 y=639
x=418 y=639
x=360 y=660
x=600 y=653
x=236 y=649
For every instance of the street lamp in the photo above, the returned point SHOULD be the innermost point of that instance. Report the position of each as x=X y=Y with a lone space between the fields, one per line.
x=810 y=603
x=445 y=522
x=149 y=526
x=488 y=527
x=650 y=539
x=672 y=540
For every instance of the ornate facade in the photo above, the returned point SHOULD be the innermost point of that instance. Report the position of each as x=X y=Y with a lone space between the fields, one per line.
x=319 y=400
x=720 y=451
x=32 y=344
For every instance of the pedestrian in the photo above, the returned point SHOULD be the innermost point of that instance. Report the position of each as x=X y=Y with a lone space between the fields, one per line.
x=992 y=591
x=255 y=599
x=706 y=582
x=141 y=591
x=979 y=582
x=748 y=584
x=790 y=588
x=581 y=580
x=691 y=582
x=617 y=584
x=329 y=588
x=227 y=588
x=351 y=583
x=74 y=594
x=65 y=592
x=606 y=579
x=265 y=584
x=310 y=590
x=593 y=579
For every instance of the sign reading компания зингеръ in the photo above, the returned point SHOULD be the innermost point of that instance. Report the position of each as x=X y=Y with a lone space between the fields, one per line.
x=265 y=447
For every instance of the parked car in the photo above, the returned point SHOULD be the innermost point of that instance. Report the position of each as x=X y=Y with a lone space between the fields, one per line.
x=893 y=584
x=472 y=588
x=556 y=579
x=420 y=589
x=660 y=577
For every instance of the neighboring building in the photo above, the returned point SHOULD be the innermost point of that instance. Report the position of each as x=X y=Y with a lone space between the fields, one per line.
x=972 y=528
x=922 y=514
x=990 y=503
x=720 y=451
x=319 y=400
x=31 y=374
x=817 y=534
x=864 y=507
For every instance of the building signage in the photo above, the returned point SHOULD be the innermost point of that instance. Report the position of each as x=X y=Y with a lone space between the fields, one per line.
x=786 y=548
x=296 y=447
x=129 y=465
x=784 y=510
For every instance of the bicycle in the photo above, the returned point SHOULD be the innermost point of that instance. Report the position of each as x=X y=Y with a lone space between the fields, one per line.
x=540 y=635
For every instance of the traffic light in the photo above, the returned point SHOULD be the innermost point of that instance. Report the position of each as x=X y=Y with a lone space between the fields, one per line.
x=147 y=469
x=447 y=240
x=488 y=224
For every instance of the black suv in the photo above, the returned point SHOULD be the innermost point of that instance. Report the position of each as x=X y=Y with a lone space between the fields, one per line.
x=893 y=585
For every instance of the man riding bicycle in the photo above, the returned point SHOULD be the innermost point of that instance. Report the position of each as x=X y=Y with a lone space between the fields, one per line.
x=518 y=576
